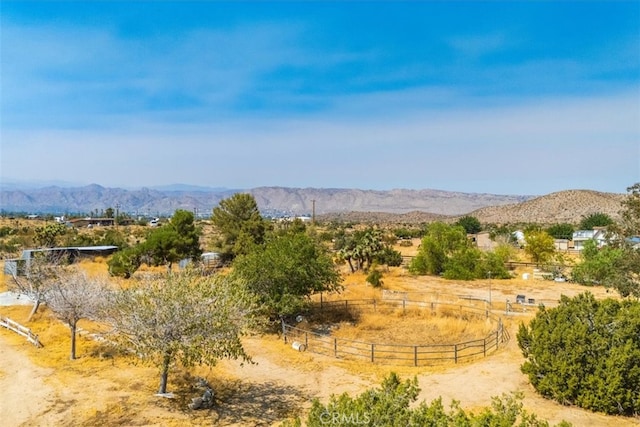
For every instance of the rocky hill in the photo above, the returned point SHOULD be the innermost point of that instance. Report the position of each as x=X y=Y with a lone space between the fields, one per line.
x=565 y=206
x=561 y=207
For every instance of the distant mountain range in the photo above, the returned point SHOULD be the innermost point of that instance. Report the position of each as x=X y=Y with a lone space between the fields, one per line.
x=272 y=201
x=347 y=204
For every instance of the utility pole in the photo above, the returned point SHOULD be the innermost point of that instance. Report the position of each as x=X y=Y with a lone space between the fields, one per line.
x=117 y=214
x=313 y=212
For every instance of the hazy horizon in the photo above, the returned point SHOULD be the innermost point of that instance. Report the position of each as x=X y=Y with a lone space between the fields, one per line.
x=478 y=97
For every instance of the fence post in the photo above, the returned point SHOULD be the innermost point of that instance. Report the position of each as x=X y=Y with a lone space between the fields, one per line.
x=284 y=329
x=455 y=353
x=335 y=347
x=404 y=305
x=320 y=300
x=372 y=352
x=415 y=355
x=374 y=304
x=484 y=347
x=306 y=340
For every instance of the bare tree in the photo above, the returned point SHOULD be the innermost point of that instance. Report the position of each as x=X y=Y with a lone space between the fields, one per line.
x=182 y=318
x=75 y=296
x=41 y=272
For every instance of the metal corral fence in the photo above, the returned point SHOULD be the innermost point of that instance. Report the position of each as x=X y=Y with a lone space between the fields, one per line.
x=21 y=330
x=398 y=354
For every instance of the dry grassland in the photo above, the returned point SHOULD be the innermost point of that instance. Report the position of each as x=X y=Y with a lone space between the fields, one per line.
x=44 y=387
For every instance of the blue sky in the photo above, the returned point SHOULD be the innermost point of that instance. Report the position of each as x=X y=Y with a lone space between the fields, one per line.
x=487 y=97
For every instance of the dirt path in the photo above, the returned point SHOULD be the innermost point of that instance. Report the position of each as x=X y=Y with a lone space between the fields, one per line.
x=472 y=384
x=24 y=392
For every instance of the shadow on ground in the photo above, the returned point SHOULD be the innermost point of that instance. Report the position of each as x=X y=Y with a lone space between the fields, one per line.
x=257 y=404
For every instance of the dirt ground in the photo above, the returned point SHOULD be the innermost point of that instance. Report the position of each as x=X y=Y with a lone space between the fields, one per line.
x=281 y=381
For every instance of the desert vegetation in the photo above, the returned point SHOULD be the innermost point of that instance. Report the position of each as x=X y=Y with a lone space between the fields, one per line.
x=139 y=306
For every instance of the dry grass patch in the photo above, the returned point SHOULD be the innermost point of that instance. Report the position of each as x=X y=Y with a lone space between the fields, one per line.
x=102 y=386
x=414 y=327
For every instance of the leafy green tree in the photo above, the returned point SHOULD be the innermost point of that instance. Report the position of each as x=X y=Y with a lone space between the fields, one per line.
x=240 y=224
x=462 y=264
x=630 y=215
x=627 y=282
x=170 y=243
x=393 y=404
x=539 y=246
x=598 y=266
x=586 y=352
x=615 y=265
x=439 y=242
x=597 y=219
x=47 y=236
x=493 y=266
x=561 y=231
x=445 y=250
x=109 y=212
x=388 y=256
x=185 y=318
x=286 y=271
x=471 y=224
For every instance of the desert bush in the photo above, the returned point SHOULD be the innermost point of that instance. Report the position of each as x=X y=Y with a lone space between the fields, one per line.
x=374 y=278
x=389 y=256
x=393 y=404
x=124 y=263
x=586 y=352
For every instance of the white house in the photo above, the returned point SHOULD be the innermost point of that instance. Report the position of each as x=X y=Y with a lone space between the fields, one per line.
x=582 y=236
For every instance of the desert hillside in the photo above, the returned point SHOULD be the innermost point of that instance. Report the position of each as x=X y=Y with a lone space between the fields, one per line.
x=565 y=206
x=568 y=206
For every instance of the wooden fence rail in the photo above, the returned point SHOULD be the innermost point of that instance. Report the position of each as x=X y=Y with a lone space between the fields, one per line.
x=21 y=330
x=397 y=354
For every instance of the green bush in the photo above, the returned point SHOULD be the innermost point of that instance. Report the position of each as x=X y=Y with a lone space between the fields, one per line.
x=586 y=353
x=393 y=404
x=374 y=278
x=125 y=262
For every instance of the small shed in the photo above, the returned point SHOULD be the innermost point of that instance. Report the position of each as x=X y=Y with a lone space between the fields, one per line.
x=20 y=266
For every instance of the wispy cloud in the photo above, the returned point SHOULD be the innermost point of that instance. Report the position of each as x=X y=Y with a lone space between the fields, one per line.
x=323 y=99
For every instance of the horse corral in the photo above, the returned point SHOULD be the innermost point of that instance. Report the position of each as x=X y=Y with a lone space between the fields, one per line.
x=398 y=331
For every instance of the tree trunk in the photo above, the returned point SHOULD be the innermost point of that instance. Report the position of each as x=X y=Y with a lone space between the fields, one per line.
x=35 y=307
x=73 y=339
x=165 y=373
x=353 y=270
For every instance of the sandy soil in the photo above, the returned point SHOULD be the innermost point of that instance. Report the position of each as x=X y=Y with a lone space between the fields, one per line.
x=25 y=395
x=282 y=380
